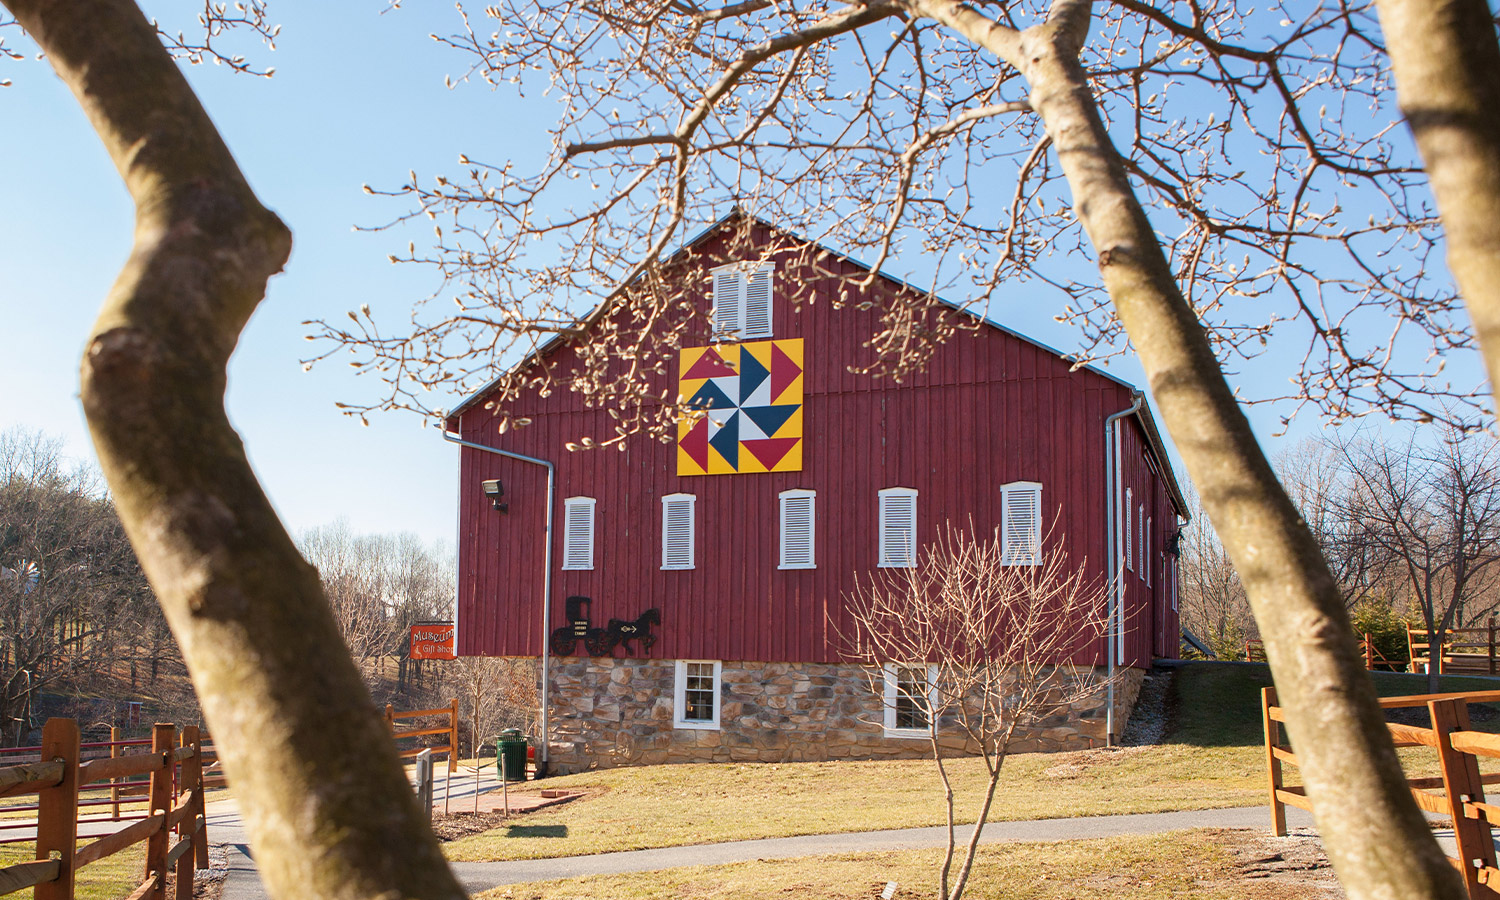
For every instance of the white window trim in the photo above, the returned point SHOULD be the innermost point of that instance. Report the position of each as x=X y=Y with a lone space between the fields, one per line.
x=739 y=329
x=1034 y=558
x=889 y=701
x=811 y=562
x=886 y=560
x=573 y=507
x=692 y=536
x=679 y=696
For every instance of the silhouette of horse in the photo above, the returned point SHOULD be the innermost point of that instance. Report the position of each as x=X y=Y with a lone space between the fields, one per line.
x=621 y=632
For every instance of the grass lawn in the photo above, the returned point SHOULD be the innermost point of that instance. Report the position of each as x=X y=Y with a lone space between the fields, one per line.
x=1212 y=757
x=108 y=879
x=1189 y=864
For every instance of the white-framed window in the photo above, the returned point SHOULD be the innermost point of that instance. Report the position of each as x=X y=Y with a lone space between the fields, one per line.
x=695 y=694
x=578 y=533
x=1021 y=523
x=1126 y=523
x=1140 y=527
x=898 y=528
x=910 y=695
x=742 y=301
x=798 y=525
x=677 y=529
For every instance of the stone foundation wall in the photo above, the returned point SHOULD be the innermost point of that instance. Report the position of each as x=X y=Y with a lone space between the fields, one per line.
x=616 y=712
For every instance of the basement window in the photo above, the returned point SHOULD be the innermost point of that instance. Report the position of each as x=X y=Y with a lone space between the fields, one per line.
x=695 y=699
x=910 y=693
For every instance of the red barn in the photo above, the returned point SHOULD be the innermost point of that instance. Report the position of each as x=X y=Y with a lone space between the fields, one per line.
x=723 y=558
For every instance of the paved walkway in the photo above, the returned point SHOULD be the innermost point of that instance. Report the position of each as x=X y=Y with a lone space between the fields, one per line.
x=243 y=883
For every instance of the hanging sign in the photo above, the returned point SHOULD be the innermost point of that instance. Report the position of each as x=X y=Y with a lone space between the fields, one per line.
x=432 y=640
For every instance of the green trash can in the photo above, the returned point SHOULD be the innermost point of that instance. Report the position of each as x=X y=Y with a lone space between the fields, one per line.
x=510 y=747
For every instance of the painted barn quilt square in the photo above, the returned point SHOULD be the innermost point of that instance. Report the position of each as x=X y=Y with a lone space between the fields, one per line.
x=746 y=404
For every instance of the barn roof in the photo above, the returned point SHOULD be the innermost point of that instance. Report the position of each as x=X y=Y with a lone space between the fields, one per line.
x=1143 y=415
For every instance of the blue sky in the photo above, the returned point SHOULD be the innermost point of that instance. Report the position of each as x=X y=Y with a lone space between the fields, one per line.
x=358 y=97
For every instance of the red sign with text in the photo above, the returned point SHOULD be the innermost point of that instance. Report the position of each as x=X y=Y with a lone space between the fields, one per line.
x=432 y=641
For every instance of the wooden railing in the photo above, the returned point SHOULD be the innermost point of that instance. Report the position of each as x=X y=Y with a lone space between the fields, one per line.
x=449 y=712
x=174 y=803
x=1458 y=792
x=1460 y=650
x=1255 y=651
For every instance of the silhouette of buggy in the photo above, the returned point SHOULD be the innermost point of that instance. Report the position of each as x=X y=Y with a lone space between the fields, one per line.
x=602 y=641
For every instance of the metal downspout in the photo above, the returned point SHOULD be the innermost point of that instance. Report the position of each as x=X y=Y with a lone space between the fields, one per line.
x=1116 y=563
x=546 y=584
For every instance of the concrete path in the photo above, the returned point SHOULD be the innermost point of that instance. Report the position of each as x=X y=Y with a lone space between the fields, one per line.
x=243 y=883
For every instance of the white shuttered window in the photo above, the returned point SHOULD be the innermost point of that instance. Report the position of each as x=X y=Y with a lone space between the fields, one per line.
x=677 y=531
x=1021 y=523
x=578 y=533
x=797 y=528
x=742 y=301
x=898 y=528
x=1125 y=519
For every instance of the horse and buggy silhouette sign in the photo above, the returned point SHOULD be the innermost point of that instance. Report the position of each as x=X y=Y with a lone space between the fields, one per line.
x=603 y=641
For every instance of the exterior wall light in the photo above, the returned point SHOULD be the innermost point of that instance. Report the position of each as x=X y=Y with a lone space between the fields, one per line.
x=494 y=490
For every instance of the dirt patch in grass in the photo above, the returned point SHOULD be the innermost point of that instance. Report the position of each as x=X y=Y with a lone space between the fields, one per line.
x=1078 y=763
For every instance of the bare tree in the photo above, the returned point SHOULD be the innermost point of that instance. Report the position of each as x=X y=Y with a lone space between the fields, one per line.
x=325 y=800
x=72 y=597
x=886 y=126
x=978 y=649
x=378 y=586
x=498 y=692
x=1432 y=510
x=1212 y=601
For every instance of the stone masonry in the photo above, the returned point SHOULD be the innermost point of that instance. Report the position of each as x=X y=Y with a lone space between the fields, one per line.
x=609 y=712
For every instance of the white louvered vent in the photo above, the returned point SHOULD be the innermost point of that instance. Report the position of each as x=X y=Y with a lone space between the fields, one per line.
x=1150 y=559
x=898 y=528
x=728 y=290
x=578 y=533
x=797 y=528
x=1129 y=556
x=757 y=319
x=1021 y=523
x=677 y=531
x=742 y=301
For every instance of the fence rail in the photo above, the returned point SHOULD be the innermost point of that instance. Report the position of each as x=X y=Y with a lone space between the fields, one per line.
x=174 y=766
x=449 y=712
x=1458 y=650
x=1458 y=792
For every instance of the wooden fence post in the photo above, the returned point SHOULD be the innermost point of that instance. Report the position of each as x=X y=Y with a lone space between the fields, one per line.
x=1462 y=784
x=390 y=717
x=162 y=741
x=57 y=818
x=1273 y=765
x=1369 y=653
x=114 y=783
x=453 y=737
x=1492 y=643
x=192 y=828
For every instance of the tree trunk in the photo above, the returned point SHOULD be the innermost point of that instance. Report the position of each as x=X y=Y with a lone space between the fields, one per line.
x=1375 y=835
x=1447 y=67
x=325 y=800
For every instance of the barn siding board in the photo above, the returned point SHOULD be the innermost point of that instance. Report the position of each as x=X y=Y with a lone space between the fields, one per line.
x=990 y=409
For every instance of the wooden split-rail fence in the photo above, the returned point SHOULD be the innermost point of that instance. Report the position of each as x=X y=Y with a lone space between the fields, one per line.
x=174 y=796
x=1460 y=651
x=1255 y=651
x=1458 y=792
x=449 y=715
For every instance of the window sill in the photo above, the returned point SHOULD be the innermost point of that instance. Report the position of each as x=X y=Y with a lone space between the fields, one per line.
x=785 y=568
x=907 y=734
x=677 y=568
x=696 y=726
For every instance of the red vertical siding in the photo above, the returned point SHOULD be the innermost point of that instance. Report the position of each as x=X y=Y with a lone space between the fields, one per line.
x=990 y=409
